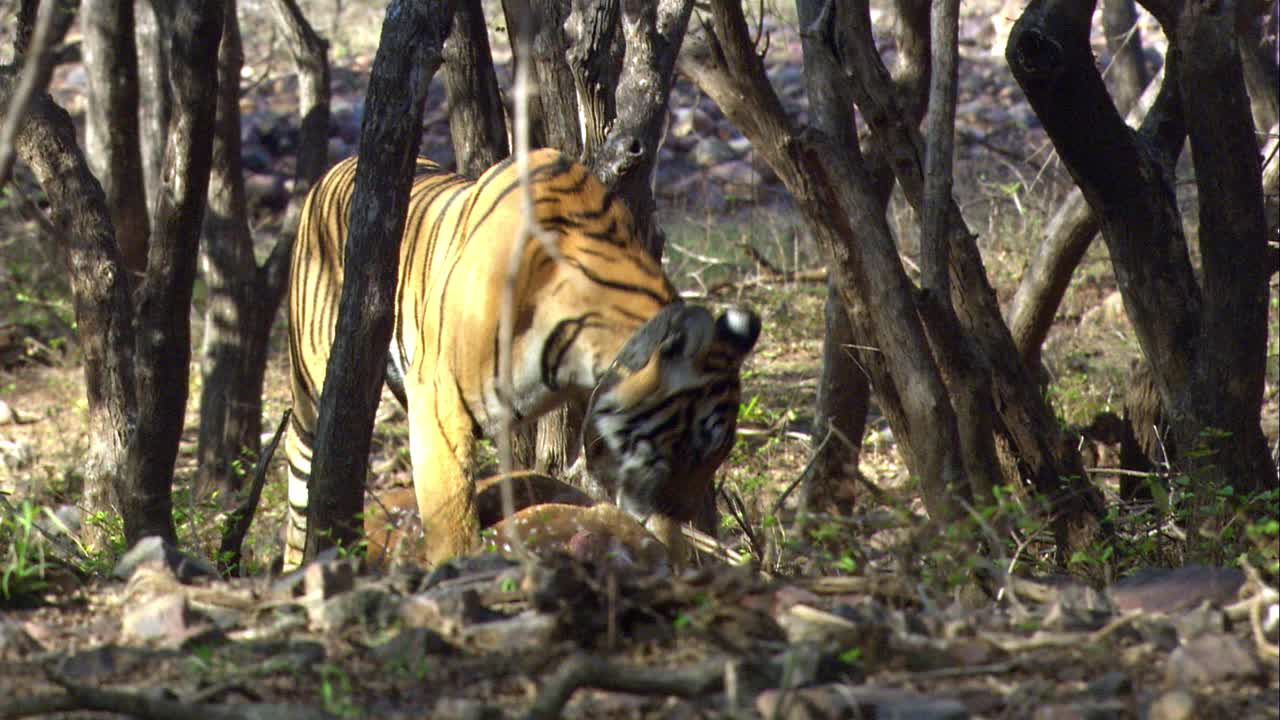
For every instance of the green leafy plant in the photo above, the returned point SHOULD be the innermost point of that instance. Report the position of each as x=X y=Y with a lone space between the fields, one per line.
x=23 y=565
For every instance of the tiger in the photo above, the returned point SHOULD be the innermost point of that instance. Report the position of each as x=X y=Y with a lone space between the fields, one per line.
x=595 y=319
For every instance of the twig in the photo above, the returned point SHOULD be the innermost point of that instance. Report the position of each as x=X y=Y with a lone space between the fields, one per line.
x=237 y=522
x=153 y=708
x=589 y=671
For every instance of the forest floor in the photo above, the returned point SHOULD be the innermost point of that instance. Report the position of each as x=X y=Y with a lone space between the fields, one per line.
x=870 y=614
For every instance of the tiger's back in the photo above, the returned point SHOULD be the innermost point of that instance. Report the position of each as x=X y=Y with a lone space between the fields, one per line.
x=574 y=308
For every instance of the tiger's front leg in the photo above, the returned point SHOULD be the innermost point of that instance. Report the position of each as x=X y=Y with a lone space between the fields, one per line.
x=441 y=440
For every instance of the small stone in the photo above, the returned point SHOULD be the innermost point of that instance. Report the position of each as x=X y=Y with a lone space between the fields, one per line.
x=165 y=621
x=712 y=150
x=1208 y=659
x=1084 y=710
x=527 y=631
x=7 y=414
x=15 y=643
x=152 y=548
x=1173 y=705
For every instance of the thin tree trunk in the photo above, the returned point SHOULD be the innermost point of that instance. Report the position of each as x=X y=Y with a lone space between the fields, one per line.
x=154 y=37
x=476 y=123
x=1067 y=237
x=229 y=436
x=1024 y=416
x=100 y=291
x=164 y=299
x=111 y=122
x=555 y=81
x=836 y=195
x=1128 y=71
x=409 y=54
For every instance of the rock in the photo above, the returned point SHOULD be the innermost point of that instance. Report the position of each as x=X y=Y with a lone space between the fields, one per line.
x=327 y=576
x=1208 y=659
x=7 y=414
x=711 y=150
x=265 y=190
x=153 y=549
x=738 y=176
x=371 y=608
x=165 y=621
x=686 y=123
x=1175 y=590
x=15 y=454
x=1173 y=705
x=15 y=643
x=527 y=631
x=1077 y=608
x=410 y=646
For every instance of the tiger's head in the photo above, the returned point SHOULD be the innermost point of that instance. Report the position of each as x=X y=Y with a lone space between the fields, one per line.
x=662 y=418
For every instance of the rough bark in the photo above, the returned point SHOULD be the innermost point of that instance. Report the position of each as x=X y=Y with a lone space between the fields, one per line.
x=39 y=32
x=476 y=122
x=1067 y=237
x=1024 y=418
x=847 y=360
x=1258 y=41
x=164 y=299
x=625 y=162
x=409 y=53
x=595 y=59
x=243 y=296
x=1205 y=345
x=112 y=141
x=46 y=143
x=835 y=195
x=154 y=22
x=1127 y=73
x=550 y=51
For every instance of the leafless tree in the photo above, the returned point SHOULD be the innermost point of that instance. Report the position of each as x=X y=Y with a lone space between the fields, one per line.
x=136 y=361
x=1203 y=334
x=243 y=295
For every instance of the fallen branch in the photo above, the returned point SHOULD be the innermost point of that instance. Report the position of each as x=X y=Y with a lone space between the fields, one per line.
x=149 y=707
x=589 y=671
x=237 y=522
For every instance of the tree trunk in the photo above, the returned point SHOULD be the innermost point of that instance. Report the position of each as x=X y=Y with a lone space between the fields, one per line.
x=99 y=281
x=1067 y=237
x=154 y=36
x=835 y=194
x=409 y=53
x=230 y=399
x=625 y=162
x=111 y=122
x=1206 y=346
x=595 y=58
x=1024 y=416
x=476 y=123
x=1128 y=71
x=164 y=299
x=1261 y=69
x=555 y=82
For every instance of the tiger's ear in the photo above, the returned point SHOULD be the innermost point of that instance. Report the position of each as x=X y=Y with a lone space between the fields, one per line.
x=738 y=328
